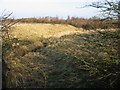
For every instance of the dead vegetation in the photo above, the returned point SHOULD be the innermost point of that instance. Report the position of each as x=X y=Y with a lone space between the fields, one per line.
x=75 y=60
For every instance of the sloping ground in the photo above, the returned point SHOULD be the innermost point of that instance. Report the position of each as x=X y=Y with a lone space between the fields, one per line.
x=34 y=31
x=80 y=59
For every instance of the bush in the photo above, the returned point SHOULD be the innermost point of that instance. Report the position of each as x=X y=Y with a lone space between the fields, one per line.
x=88 y=27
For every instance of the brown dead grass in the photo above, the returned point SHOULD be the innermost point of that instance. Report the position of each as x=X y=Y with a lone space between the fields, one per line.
x=34 y=31
x=59 y=63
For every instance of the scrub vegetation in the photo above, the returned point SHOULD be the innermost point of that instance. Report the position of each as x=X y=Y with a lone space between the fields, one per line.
x=56 y=53
x=61 y=56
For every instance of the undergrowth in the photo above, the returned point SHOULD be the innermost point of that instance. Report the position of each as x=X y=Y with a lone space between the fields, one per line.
x=71 y=61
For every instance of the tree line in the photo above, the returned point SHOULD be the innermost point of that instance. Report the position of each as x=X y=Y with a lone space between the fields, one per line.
x=91 y=23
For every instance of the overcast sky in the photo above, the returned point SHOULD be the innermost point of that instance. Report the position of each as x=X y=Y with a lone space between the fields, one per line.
x=37 y=8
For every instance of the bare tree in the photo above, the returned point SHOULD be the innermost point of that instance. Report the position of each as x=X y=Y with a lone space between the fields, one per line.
x=109 y=9
x=6 y=22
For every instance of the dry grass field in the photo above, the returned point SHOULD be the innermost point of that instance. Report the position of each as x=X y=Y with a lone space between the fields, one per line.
x=62 y=56
x=34 y=31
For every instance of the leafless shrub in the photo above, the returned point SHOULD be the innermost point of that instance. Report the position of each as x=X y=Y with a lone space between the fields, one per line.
x=6 y=22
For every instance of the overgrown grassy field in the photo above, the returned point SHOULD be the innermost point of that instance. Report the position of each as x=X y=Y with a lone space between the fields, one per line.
x=62 y=56
x=36 y=31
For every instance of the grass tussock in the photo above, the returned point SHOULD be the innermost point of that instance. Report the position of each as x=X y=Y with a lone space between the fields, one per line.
x=76 y=60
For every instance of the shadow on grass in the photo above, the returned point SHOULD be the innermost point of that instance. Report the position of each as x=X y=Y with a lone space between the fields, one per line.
x=71 y=61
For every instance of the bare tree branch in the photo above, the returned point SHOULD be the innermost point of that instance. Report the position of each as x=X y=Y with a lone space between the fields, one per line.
x=108 y=8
